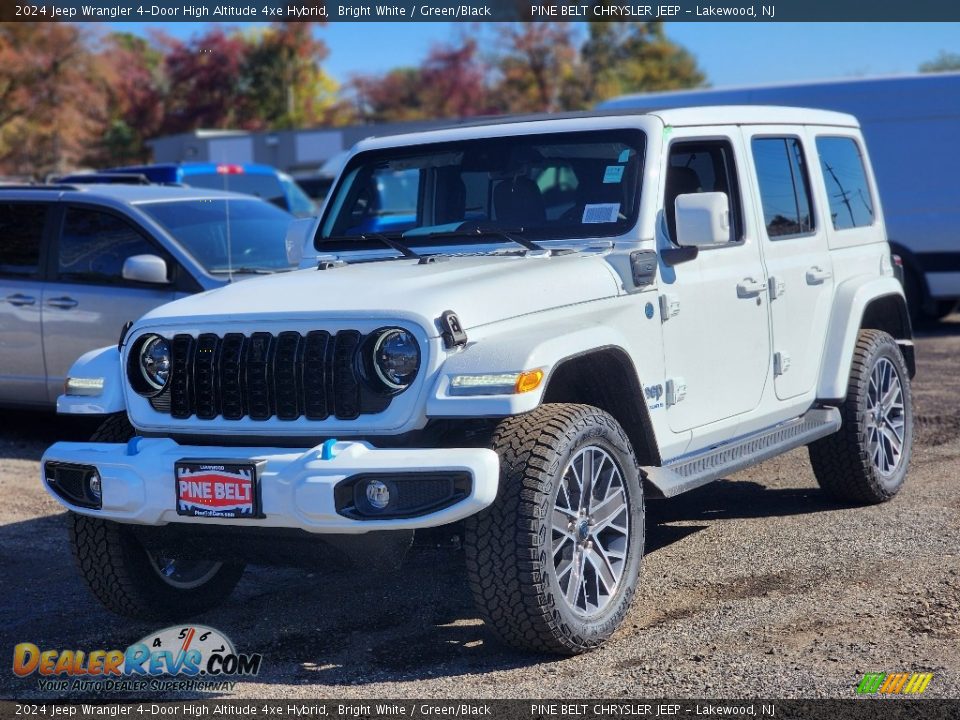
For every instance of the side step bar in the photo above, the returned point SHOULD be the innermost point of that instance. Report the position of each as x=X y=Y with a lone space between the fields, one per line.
x=691 y=471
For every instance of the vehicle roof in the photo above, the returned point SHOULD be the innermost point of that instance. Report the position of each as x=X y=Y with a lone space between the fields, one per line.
x=623 y=117
x=193 y=167
x=127 y=194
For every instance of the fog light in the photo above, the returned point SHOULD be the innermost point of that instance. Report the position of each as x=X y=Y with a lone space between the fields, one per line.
x=378 y=494
x=93 y=485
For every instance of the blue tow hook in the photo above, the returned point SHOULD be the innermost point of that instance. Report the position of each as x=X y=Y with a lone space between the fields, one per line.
x=133 y=445
x=326 y=450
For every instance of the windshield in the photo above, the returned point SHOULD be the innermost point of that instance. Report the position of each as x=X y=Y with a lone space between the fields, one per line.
x=227 y=235
x=547 y=186
x=300 y=204
x=262 y=185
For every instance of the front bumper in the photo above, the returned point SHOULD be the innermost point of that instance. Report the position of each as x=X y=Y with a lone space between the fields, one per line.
x=296 y=486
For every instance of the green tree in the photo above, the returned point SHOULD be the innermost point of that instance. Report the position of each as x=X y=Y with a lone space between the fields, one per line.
x=628 y=57
x=944 y=62
x=285 y=79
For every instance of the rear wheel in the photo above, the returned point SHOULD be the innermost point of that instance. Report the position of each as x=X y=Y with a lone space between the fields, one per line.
x=553 y=563
x=866 y=460
x=131 y=580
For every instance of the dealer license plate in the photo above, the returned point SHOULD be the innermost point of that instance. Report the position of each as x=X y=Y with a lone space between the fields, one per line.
x=211 y=488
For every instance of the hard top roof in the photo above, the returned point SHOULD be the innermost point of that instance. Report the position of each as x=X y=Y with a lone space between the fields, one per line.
x=607 y=119
x=130 y=194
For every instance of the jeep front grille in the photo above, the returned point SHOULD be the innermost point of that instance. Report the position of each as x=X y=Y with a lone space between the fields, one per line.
x=262 y=375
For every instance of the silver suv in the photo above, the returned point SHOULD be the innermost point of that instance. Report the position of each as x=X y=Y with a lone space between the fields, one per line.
x=79 y=262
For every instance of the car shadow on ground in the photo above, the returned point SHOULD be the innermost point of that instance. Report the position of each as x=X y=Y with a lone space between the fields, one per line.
x=25 y=434
x=332 y=627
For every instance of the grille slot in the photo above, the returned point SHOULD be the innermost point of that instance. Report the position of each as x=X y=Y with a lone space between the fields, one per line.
x=263 y=375
x=207 y=398
x=315 y=375
x=286 y=376
x=181 y=376
x=231 y=387
x=346 y=385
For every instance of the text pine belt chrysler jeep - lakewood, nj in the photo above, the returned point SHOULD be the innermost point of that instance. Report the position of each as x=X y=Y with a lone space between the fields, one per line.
x=522 y=327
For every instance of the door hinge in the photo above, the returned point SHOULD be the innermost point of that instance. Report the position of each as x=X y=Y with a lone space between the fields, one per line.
x=669 y=307
x=676 y=390
x=777 y=287
x=781 y=363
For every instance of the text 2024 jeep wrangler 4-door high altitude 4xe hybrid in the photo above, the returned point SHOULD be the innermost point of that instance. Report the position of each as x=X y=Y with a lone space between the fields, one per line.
x=524 y=326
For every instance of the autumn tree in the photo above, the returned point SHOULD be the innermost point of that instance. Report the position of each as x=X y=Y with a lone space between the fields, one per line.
x=207 y=86
x=538 y=67
x=51 y=107
x=451 y=83
x=629 y=57
x=131 y=71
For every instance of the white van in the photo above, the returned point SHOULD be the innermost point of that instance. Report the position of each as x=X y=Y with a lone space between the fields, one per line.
x=911 y=125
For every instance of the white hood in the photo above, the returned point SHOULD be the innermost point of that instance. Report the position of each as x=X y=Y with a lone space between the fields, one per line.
x=480 y=289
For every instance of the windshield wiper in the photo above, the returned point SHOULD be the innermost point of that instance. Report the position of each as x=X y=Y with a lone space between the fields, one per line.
x=243 y=271
x=505 y=233
x=393 y=244
x=390 y=242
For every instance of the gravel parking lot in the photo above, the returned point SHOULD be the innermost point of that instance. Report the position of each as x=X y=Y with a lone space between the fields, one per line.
x=756 y=586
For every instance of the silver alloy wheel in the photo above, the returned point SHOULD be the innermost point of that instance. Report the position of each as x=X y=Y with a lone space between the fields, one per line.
x=885 y=419
x=590 y=530
x=183 y=574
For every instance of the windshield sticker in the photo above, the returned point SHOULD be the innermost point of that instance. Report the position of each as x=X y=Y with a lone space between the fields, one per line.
x=624 y=156
x=600 y=213
x=613 y=174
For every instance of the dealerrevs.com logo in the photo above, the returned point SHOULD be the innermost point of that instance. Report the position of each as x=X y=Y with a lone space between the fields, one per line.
x=192 y=657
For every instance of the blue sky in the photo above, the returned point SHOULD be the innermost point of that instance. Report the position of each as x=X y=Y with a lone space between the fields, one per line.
x=731 y=53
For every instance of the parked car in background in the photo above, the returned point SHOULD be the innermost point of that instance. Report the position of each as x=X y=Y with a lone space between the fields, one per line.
x=316 y=183
x=252 y=179
x=910 y=123
x=78 y=262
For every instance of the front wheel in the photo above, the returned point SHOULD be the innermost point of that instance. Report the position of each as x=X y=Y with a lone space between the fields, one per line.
x=144 y=584
x=131 y=580
x=866 y=460
x=553 y=563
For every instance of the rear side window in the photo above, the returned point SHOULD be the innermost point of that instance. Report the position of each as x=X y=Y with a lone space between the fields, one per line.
x=784 y=186
x=94 y=246
x=851 y=205
x=21 y=234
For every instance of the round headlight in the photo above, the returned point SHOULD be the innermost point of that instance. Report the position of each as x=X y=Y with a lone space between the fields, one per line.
x=396 y=358
x=155 y=362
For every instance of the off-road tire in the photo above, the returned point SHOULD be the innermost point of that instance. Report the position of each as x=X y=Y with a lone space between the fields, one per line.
x=118 y=570
x=842 y=461
x=508 y=545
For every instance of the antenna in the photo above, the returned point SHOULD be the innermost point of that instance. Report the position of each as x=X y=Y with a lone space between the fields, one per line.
x=226 y=213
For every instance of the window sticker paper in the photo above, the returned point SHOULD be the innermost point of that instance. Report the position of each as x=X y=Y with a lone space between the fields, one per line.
x=600 y=213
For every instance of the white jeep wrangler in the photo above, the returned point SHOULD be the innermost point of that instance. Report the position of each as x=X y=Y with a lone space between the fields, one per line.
x=524 y=326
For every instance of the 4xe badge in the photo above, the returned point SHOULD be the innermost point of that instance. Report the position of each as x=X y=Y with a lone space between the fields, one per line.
x=653 y=394
x=192 y=657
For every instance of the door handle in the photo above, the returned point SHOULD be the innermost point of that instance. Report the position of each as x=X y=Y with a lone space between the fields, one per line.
x=816 y=275
x=19 y=300
x=748 y=287
x=64 y=303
